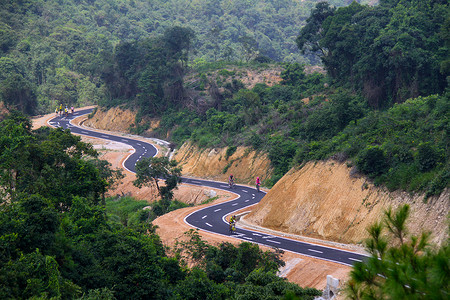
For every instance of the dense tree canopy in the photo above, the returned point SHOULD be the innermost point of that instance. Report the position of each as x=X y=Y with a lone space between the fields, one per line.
x=390 y=52
x=58 y=47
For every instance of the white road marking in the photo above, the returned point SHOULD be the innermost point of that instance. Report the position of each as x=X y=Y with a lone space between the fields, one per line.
x=204 y=216
x=257 y=234
x=317 y=251
x=224 y=186
x=139 y=144
x=234 y=204
x=248 y=238
x=268 y=236
x=273 y=241
x=245 y=191
x=247 y=200
x=253 y=195
x=209 y=224
x=219 y=209
x=355 y=259
x=104 y=136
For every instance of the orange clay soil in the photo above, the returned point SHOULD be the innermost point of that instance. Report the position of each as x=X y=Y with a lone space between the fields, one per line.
x=305 y=271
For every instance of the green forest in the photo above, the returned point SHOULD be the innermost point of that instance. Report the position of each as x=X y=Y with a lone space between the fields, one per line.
x=381 y=105
x=55 y=50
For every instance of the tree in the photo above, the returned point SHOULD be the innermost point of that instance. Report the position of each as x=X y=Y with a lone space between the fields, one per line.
x=151 y=169
x=110 y=176
x=400 y=266
x=312 y=33
x=249 y=47
x=178 y=41
x=18 y=93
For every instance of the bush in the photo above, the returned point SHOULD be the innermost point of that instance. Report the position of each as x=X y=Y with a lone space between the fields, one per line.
x=427 y=157
x=372 y=161
x=230 y=151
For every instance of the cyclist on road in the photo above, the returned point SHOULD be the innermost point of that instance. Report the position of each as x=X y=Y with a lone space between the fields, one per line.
x=258 y=183
x=231 y=181
x=232 y=224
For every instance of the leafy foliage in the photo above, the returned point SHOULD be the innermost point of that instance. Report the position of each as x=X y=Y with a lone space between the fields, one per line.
x=150 y=170
x=390 y=52
x=400 y=266
x=243 y=271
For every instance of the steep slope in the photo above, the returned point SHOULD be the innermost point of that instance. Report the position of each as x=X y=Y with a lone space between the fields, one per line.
x=245 y=164
x=323 y=200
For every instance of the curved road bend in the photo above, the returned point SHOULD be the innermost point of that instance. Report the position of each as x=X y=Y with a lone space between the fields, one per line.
x=212 y=218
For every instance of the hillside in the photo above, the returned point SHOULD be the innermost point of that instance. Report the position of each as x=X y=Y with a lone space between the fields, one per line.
x=54 y=52
x=325 y=200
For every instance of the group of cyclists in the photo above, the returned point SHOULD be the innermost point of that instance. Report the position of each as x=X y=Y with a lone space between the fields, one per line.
x=231 y=182
x=59 y=111
x=232 y=222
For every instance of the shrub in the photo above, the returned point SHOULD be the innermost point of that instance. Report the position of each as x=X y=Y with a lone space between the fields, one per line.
x=427 y=157
x=230 y=151
x=372 y=161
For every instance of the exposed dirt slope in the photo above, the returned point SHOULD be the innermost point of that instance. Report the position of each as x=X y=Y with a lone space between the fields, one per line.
x=322 y=200
x=116 y=119
x=244 y=164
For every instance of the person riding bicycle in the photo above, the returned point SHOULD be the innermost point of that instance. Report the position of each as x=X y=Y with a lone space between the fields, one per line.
x=72 y=109
x=258 y=183
x=233 y=219
x=232 y=224
x=231 y=180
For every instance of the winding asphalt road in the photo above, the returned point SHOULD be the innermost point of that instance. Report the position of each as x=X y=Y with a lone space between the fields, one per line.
x=212 y=218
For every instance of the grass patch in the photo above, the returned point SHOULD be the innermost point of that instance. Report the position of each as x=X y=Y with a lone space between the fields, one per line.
x=125 y=210
x=210 y=200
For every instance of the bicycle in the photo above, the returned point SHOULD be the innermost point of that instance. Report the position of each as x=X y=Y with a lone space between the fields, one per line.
x=230 y=184
x=232 y=227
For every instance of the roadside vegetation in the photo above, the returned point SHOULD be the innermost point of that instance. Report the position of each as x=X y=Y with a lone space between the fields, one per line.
x=60 y=240
x=401 y=266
